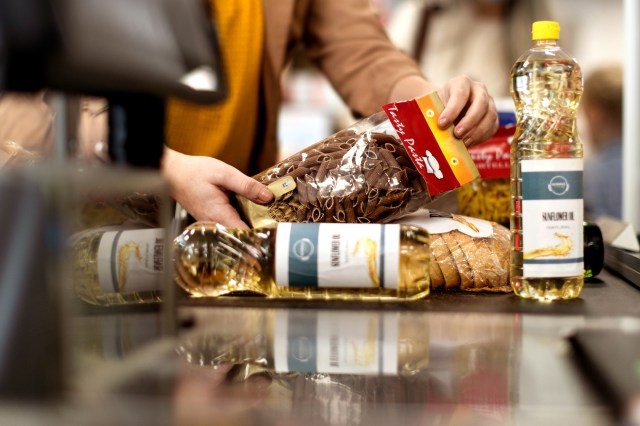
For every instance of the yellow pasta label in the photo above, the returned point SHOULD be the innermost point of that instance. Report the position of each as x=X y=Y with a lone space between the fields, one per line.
x=442 y=159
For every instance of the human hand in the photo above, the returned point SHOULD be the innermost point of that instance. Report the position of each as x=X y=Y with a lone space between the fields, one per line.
x=469 y=106
x=202 y=186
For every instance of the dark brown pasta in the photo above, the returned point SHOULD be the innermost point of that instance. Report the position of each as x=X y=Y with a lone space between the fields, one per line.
x=383 y=138
x=392 y=148
x=330 y=208
x=322 y=171
x=348 y=209
x=312 y=192
x=299 y=172
x=384 y=182
x=381 y=211
x=393 y=198
x=372 y=177
x=340 y=215
x=405 y=162
x=301 y=214
x=388 y=157
x=302 y=192
x=316 y=215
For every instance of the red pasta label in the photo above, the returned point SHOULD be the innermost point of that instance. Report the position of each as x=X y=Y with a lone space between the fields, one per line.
x=493 y=158
x=441 y=158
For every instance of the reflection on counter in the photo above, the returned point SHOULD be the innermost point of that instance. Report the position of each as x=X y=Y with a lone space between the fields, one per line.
x=351 y=368
x=118 y=232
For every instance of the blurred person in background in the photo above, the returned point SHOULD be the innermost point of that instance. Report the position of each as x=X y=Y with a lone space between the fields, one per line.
x=478 y=38
x=26 y=128
x=211 y=150
x=602 y=108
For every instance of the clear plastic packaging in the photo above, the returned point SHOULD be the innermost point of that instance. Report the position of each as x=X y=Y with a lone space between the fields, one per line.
x=304 y=261
x=115 y=258
x=118 y=265
x=489 y=197
x=547 y=258
x=382 y=168
x=467 y=254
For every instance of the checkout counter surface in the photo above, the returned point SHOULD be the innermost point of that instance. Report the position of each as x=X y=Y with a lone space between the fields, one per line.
x=452 y=359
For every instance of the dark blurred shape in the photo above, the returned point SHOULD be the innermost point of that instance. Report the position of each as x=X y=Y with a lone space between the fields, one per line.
x=134 y=53
x=593 y=250
x=136 y=130
x=155 y=47
x=31 y=361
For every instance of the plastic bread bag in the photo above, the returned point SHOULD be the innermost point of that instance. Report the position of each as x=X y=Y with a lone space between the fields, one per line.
x=383 y=167
x=468 y=254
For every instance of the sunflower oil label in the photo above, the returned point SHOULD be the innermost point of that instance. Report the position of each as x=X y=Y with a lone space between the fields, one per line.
x=337 y=255
x=336 y=343
x=552 y=218
x=131 y=260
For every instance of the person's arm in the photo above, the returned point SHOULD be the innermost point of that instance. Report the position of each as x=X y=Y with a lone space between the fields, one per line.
x=348 y=43
x=202 y=186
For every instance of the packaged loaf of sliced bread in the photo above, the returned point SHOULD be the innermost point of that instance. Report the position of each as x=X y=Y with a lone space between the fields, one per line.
x=467 y=253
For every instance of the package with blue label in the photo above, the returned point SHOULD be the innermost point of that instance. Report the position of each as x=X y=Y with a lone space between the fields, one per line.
x=304 y=261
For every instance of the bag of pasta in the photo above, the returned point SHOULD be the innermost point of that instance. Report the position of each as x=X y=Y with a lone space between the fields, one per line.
x=382 y=168
x=490 y=196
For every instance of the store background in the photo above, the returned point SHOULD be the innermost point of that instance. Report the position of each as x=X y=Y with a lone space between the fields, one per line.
x=594 y=36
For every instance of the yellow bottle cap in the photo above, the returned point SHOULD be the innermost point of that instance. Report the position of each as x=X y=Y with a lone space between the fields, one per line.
x=545 y=30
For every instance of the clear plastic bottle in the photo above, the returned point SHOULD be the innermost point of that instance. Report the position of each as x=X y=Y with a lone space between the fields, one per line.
x=118 y=265
x=319 y=341
x=546 y=171
x=305 y=261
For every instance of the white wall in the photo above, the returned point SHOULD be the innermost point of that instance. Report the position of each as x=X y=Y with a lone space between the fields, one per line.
x=591 y=30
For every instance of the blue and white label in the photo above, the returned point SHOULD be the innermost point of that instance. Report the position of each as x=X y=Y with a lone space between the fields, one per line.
x=131 y=260
x=337 y=255
x=552 y=218
x=336 y=342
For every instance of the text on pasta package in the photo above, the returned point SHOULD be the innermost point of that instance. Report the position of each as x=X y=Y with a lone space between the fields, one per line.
x=442 y=159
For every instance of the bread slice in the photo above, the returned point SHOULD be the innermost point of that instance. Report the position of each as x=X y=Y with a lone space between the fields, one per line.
x=435 y=273
x=458 y=242
x=443 y=257
x=490 y=261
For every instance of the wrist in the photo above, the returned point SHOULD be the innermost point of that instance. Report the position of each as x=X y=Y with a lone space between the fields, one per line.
x=410 y=87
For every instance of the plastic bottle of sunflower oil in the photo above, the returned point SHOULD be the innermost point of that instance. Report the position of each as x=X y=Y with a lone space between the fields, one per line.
x=546 y=171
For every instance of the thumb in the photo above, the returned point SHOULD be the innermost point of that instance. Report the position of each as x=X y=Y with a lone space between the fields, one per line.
x=250 y=189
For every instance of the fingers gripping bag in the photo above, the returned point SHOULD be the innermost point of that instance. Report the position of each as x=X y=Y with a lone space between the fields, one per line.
x=381 y=168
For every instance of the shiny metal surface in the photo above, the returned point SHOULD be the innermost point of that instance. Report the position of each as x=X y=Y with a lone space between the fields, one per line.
x=264 y=366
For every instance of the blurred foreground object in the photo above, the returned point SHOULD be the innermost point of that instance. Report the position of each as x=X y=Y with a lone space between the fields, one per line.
x=134 y=53
x=26 y=128
x=156 y=47
x=31 y=361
